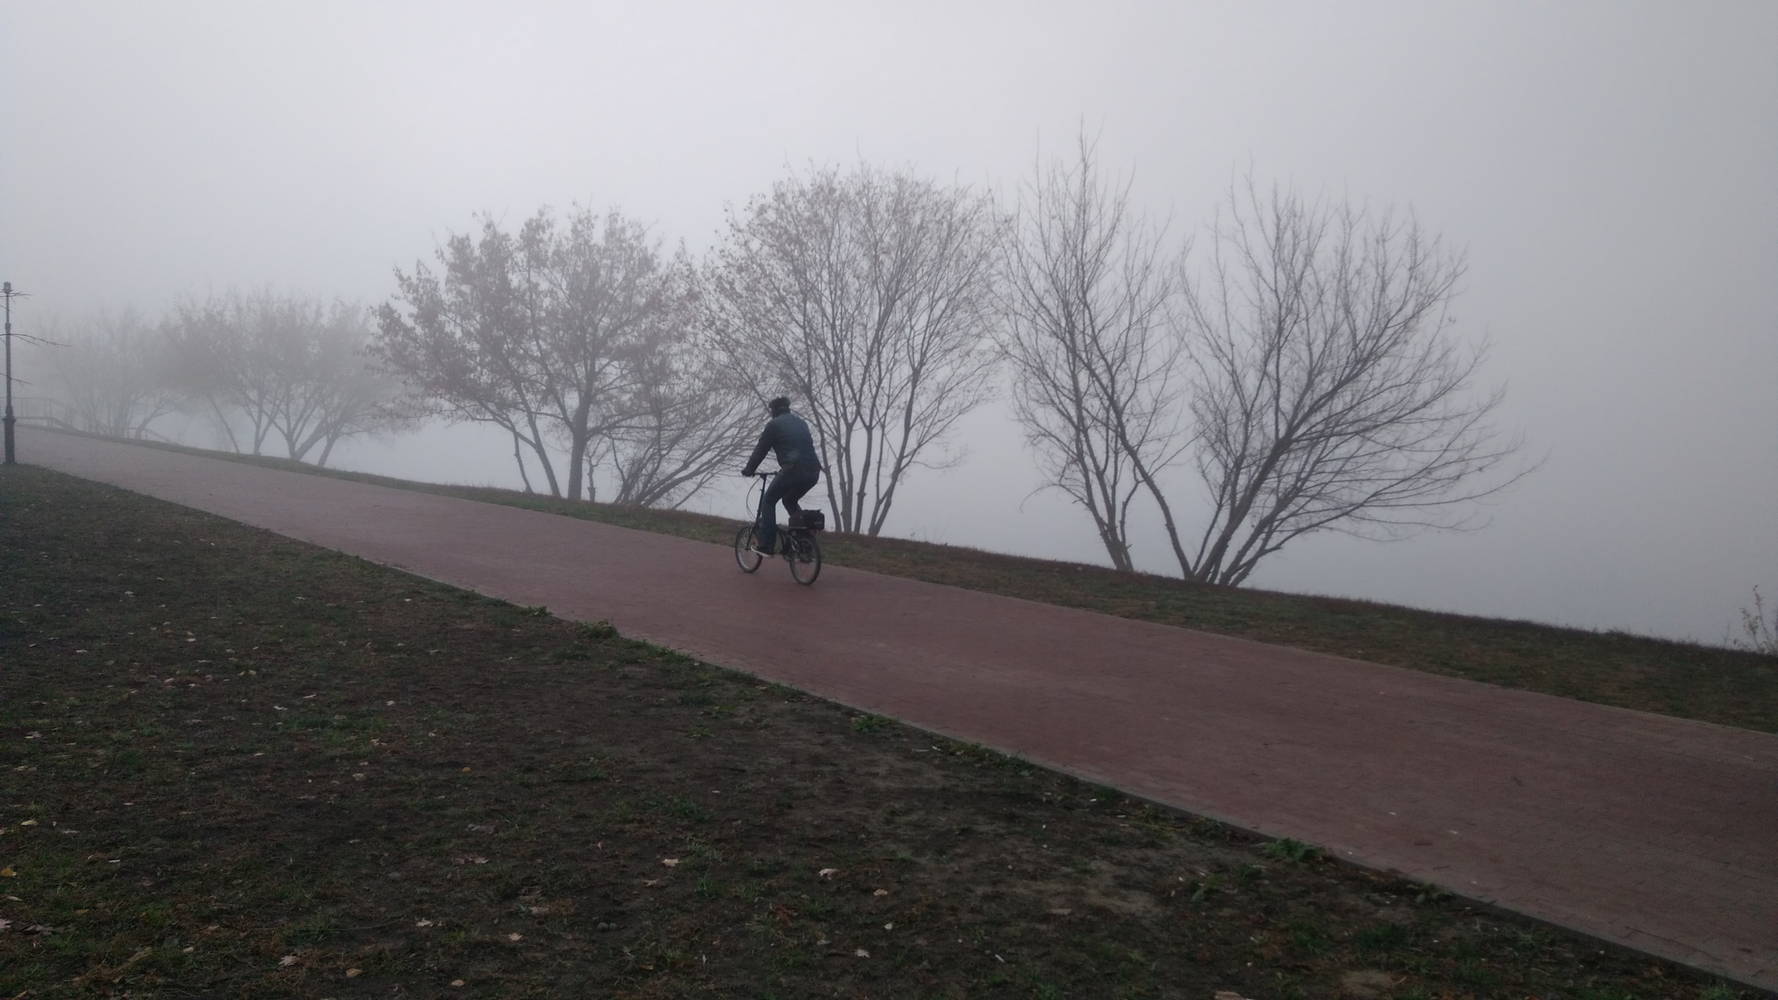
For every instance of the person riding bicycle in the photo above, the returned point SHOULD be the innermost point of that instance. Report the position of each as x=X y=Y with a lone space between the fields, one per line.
x=799 y=469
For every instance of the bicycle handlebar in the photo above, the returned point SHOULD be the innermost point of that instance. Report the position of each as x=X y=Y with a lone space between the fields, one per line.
x=762 y=475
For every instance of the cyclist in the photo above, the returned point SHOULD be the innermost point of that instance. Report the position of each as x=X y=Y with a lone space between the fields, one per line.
x=799 y=469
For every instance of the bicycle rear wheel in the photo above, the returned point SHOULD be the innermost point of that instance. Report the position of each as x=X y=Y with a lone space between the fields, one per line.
x=805 y=557
x=745 y=557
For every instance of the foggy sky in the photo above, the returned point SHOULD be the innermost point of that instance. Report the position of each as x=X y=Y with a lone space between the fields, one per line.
x=1611 y=169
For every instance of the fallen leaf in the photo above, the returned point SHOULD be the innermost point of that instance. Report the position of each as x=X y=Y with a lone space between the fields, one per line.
x=287 y=960
x=828 y=872
x=861 y=953
x=881 y=892
x=29 y=822
x=456 y=982
x=354 y=973
x=422 y=922
x=670 y=862
x=515 y=936
x=7 y=872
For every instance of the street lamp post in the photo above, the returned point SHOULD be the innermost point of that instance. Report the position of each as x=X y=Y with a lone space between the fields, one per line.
x=6 y=289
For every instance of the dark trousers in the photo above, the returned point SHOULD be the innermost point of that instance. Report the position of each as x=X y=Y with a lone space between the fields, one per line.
x=788 y=486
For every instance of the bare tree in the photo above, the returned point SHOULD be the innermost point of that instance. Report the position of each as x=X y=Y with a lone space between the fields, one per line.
x=1329 y=390
x=603 y=291
x=685 y=424
x=114 y=373
x=331 y=391
x=684 y=418
x=1757 y=634
x=226 y=357
x=867 y=297
x=540 y=332
x=285 y=364
x=457 y=339
x=1091 y=346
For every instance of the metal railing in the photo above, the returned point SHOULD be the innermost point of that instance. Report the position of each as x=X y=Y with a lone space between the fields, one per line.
x=42 y=411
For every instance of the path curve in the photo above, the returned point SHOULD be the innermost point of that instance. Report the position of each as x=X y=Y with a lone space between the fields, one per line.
x=1657 y=833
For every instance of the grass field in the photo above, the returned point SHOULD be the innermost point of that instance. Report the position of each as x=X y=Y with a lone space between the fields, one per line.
x=1711 y=684
x=238 y=766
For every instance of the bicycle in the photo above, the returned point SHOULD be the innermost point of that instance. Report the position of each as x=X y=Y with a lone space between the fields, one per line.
x=796 y=543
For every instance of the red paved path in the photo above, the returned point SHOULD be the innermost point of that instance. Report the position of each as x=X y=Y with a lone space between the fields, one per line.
x=1658 y=833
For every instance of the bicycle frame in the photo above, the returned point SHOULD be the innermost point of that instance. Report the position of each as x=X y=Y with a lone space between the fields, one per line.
x=756 y=496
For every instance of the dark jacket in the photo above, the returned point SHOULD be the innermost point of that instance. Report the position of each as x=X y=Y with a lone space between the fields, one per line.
x=787 y=435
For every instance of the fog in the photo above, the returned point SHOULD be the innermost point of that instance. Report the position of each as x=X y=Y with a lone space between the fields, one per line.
x=1610 y=168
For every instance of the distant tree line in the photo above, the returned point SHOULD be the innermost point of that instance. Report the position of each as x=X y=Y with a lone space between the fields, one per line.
x=1293 y=369
x=259 y=367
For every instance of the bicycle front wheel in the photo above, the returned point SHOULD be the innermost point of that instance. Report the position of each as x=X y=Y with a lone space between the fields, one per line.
x=745 y=557
x=805 y=557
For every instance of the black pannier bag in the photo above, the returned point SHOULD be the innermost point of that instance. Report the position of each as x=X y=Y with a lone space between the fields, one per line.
x=813 y=520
